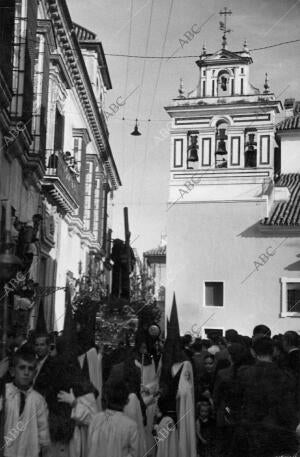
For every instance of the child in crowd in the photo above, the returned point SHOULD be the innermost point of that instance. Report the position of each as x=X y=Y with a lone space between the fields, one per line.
x=165 y=432
x=26 y=414
x=205 y=428
x=111 y=432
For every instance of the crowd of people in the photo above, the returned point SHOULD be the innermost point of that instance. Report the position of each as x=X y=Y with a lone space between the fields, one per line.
x=233 y=396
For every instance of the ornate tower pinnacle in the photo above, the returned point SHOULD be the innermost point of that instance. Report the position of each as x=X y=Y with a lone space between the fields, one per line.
x=223 y=25
x=266 y=85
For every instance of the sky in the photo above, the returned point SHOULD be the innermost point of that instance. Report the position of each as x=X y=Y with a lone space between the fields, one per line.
x=143 y=162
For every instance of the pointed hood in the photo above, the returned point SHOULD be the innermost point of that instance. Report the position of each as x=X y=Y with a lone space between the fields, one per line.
x=69 y=331
x=173 y=327
x=167 y=326
x=172 y=352
x=41 y=327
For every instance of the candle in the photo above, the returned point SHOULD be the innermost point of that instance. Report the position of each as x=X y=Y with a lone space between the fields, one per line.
x=7 y=216
x=142 y=370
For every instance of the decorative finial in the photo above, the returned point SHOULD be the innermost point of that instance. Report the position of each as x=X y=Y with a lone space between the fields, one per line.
x=245 y=46
x=223 y=26
x=180 y=90
x=266 y=85
x=204 y=49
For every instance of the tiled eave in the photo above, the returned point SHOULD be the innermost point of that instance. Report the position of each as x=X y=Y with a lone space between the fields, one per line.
x=286 y=213
x=68 y=43
x=291 y=123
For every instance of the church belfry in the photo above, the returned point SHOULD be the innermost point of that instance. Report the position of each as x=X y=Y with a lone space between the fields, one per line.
x=229 y=201
x=225 y=122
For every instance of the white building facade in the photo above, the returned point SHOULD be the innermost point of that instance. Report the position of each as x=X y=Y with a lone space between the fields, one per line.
x=230 y=249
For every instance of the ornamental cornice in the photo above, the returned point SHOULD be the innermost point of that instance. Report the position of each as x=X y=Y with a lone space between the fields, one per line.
x=69 y=46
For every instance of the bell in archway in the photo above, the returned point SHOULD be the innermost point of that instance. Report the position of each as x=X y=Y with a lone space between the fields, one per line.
x=250 y=145
x=136 y=130
x=193 y=150
x=221 y=149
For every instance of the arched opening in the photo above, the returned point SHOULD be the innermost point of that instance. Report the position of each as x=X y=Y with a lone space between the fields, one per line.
x=223 y=83
x=250 y=149
x=221 y=154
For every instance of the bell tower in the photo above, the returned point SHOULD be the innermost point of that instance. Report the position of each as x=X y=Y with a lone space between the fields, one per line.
x=221 y=182
x=224 y=127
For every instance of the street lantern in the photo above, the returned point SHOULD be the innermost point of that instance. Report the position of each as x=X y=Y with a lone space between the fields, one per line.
x=136 y=129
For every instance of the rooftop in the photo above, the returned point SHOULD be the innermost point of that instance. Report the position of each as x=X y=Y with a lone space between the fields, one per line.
x=290 y=123
x=160 y=251
x=286 y=213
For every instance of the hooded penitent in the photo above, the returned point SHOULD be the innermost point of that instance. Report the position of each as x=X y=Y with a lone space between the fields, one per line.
x=67 y=375
x=172 y=353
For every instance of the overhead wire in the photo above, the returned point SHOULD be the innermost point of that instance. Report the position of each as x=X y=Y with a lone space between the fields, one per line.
x=154 y=94
x=126 y=79
x=143 y=72
x=197 y=56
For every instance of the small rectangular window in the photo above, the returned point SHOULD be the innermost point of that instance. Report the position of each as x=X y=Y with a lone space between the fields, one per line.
x=290 y=297
x=214 y=293
x=242 y=71
x=293 y=297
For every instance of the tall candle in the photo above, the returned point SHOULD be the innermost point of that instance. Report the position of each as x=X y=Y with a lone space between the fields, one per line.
x=142 y=371
x=7 y=216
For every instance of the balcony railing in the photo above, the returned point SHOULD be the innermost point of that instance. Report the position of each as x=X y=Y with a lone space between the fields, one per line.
x=60 y=181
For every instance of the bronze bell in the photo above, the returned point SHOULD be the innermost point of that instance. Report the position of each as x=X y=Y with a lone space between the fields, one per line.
x=136 y=130
x=221 y=134
x=251 y=143
x=221 y=149
x=193 y=150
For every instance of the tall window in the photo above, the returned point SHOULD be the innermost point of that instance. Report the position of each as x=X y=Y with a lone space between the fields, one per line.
x=203 y=89
x=38 y=92
x=77 y=151
x=214 y=294
x=88 y=195
x=96 y=207
x=242 y=87
x=19 y=46
x=59 y=131
x=221 y=154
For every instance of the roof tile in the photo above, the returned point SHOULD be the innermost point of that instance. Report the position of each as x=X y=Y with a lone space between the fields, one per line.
x=286 y=213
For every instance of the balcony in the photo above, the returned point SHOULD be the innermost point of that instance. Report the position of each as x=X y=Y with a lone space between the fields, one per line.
x=60 y=183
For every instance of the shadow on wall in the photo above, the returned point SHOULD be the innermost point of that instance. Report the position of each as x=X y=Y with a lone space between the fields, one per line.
x=294 y=266
x=259 y=230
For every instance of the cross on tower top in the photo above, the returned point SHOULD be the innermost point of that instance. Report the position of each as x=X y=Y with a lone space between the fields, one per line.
x=223 y=25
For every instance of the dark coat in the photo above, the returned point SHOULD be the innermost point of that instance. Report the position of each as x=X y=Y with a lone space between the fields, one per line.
x=267 y=413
